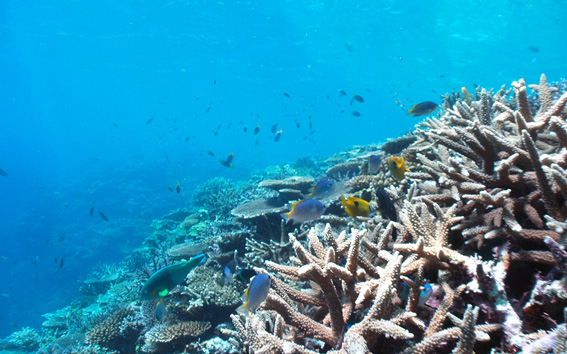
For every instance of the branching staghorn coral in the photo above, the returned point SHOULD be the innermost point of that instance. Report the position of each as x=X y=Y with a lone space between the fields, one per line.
x=355 y=278
x=502 y=163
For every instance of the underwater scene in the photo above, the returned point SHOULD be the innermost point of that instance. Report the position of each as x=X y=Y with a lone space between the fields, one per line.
x=283 y=177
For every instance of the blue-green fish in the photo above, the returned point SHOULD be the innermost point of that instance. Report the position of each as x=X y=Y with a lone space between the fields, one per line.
x=423 y=108
x=425 y=294
x=165 y=279
x=323 y=189
x=306 y=209
x=256 y=293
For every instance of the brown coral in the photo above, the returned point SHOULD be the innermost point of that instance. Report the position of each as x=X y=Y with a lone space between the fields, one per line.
x=173 y=337
x=115 y=333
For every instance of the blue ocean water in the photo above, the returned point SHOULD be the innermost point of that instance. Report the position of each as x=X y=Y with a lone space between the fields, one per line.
x=107 y=103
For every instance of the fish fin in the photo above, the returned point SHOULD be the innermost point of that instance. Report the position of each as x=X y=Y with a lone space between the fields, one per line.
x=343 y=201
x=243 y=310
x=285 y=216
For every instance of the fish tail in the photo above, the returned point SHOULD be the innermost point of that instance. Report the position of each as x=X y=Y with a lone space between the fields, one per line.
x=343 y=201
x=285 y=216
x=243 y=310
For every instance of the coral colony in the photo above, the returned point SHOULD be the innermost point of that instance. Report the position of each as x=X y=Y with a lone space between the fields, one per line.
x=465 y=253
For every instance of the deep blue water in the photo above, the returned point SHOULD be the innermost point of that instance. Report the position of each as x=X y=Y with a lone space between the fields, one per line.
x=80 y=79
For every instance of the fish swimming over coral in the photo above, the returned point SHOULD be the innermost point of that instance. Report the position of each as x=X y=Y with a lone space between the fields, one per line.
x=165 y=279
x=323 y=188
x=255 y=294
x=386 y=205
x=398 y=167
x=423 y=108
x=304 y=210
x=466 y=95
x=374 y=162
x=245 y=274
x=227 y=162
x=160 y=310
x=356 y=207
x=230 y=270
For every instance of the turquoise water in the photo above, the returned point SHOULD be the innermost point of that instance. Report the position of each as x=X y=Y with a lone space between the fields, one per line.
x=81 y=81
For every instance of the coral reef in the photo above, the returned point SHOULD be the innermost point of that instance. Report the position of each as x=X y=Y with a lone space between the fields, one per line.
x=218 y=196
x=466 y=254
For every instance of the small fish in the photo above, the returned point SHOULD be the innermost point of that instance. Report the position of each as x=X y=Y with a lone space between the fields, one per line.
x=169 y=188
x=286 y=94
x=149 y=121
x=56 y=260
x=61 y=262
x=323 y=189
x=210 y=153
x=3 y=173
x=374 y=162
x=342 y=92
x=256 y=143
x=466 y=94
x=230 y=157
x=208 y=109
x=304 y=210
x=297 y=123
x=178 y=188
x=230 y=270
x=425 y=294
x=356 y=207
x=104 y=217
x=257 y=130
x=160 y=310
x=358 y=98
x=398 y=167
x=423 y=108
x=386 y=205
x=165 y=279
x=533 y=49
x=278 y=135
x=255 y=294
x=245 y=274
x=355 y=113
x=245 y=129
x=92 y=211
x=228 y=161
x=187 y=138
x=215 y=82
x=274 y=128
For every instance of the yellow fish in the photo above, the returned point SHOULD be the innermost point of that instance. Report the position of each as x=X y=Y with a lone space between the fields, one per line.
x=466 y=94
x=356 y=206
x=398 y=167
